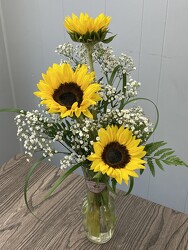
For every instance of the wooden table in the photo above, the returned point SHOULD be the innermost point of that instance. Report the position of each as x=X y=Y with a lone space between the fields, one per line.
x=141 y=224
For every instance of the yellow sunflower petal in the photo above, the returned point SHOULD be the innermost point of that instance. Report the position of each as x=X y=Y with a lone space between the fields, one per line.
x=98 y=148
x=93 y=157
x=104 y=137
x=95 y=163
x=88 y=114
x=125 y=176
x=137 y=152
x=92 y=89
x=132 y=173
x=134 y=143
x=125 y=137
x=112 y=132
x=118 y=176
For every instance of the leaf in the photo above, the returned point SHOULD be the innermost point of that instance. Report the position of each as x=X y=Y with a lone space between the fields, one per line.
x=110 y=82
x=124 y=82
x=161 y=151
x=174 y=160
x=152 y=147
x=114 y=183
x=29 y=174
x=108 y=40
x=151 y=166
x=11 y=110
x=108 y=186
x=167 y=154
x=141 y=171
x=68 y=124
x=100 y=79
x=63 y=177
x=98 y=175
x=159 y=164
x=130 y=185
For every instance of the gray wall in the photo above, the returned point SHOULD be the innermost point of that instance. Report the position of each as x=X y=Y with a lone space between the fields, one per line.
x=8 y=141
x=154 y=33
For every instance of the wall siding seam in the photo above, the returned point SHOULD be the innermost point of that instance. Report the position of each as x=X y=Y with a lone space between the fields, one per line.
x=7 y=56
x=162 y=52
x=186 y=202
x=63 y=15
x=8 y=64
x=139 y=63
x=141 y=36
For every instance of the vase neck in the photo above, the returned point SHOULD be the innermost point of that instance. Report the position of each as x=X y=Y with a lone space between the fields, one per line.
x=93 y=185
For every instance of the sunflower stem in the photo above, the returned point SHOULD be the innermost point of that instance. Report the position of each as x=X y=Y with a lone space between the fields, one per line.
x=89 y=48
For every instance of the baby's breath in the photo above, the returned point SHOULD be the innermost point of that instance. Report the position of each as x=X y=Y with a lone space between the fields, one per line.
x=34 y=131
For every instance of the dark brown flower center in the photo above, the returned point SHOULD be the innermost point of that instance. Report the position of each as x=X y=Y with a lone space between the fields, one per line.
x=67 y=94
x=115 y=155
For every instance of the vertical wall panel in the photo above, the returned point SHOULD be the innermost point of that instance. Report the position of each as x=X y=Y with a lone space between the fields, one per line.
x=171 y=187
x=127 y=24
x=151 y=47
x=186 y=205
x=8 y=142
x=52 y=31
x=91 y=7
x=25 y=48
x=149 y=66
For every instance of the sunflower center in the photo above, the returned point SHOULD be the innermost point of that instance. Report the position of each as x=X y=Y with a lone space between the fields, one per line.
x=116 y=155
x=67 y=94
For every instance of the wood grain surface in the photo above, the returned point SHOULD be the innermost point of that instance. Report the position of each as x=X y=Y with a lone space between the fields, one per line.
x=141 y=224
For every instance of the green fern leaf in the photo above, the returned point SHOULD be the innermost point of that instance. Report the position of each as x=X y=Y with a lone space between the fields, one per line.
x=152 y=147
x=151 y=166
x=174 y=160
x=162 y=151
x=159 y=164
x=167 y=154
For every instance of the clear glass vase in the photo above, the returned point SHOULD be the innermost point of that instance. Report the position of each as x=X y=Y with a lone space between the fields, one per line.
x=98 y=211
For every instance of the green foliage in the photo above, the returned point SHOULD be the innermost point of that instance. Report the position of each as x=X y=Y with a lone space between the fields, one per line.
x=114 y=182
x=92 y=37
x=131 y=185
x=151 y=147
x=28 y=176
x=63 y=177
x=14 y=110
x=113 y=75
x=109 y=39
x=160 y=156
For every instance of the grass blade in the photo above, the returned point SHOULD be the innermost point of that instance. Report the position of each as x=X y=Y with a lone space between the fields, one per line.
x=63 y=177
x=29 y=174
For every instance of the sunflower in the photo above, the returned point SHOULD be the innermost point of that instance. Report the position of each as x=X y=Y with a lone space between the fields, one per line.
x=87 y=29
x=68 y=92
x=117 y=154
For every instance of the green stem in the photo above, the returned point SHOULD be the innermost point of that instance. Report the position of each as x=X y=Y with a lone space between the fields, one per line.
x=93 y=215
x=89 y=48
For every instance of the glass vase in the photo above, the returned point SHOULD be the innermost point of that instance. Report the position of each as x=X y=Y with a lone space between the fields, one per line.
x=98 y=211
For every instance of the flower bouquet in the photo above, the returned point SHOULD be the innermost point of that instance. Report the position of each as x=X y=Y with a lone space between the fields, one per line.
x=89 y=106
